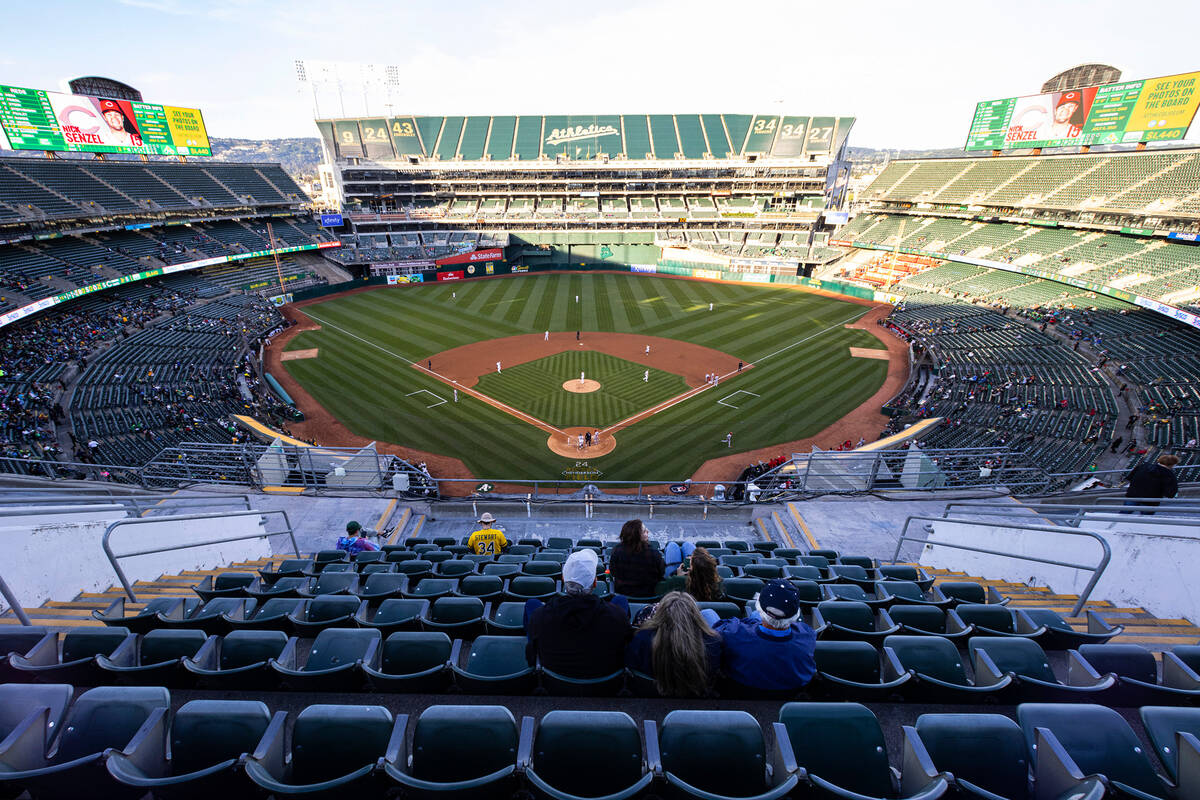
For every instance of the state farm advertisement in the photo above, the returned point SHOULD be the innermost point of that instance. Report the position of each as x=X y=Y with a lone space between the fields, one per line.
x=451 y=275
x=493 y=254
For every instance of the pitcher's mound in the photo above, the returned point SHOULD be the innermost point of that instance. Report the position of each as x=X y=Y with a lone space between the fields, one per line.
x=581 y=387
x=568 y=447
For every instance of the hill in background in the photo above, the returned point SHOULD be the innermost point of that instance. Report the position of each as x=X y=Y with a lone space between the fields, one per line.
x=299 y=156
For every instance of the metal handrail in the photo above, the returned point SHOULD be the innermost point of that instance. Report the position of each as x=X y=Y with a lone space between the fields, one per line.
x=113 y=557
x=134 y=502
x=1096 y=569
x=11 y=599
x=1072 y=514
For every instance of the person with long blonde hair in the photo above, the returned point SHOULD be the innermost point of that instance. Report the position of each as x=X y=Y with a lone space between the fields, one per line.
x=678 y=647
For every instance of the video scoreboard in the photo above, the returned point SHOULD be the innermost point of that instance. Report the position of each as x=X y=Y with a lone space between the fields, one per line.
x=1152 y=110
x=34 y=119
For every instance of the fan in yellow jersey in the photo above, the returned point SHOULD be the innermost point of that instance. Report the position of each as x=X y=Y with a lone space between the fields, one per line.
x=488 y=540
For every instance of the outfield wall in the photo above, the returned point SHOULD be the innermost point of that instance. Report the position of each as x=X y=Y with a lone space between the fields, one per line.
x=670 y=263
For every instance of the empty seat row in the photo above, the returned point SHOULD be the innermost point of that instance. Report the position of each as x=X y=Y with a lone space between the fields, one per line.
x=118 y=740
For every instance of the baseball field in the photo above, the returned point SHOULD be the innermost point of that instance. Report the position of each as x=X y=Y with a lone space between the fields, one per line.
x=506 y=374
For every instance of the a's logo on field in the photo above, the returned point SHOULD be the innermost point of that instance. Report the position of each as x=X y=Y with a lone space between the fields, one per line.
x=560 y=135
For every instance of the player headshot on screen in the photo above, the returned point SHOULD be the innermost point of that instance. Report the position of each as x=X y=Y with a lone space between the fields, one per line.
x=1069 y=114
x=121 y=129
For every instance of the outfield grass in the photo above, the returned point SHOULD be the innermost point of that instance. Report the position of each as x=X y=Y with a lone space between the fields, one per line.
x=804 y=376
x=536 y=388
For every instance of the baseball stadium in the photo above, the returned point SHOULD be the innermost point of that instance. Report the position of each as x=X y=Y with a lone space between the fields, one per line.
x=609 y=456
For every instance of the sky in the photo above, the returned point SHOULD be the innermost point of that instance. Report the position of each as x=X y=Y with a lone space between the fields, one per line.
x=910 y=72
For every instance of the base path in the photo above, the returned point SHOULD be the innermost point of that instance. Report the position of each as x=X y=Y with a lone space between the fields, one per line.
x=321 y=426
x=463 y=365
x=866 y=421
x=566 y=444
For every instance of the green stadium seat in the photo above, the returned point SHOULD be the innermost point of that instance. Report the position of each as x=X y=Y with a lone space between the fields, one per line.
x=1136 y=672
x=147 y=618
x=585 y=754
x=382 y=586
x=486 y=587
x=18 y=701
x=154 y=660
x=496 y=665
x=332 y=583
x=1081 y=739
x=604 y=686
x=240 y=660
x=198 y=754
x=508 y=619
x=848 y=670
x=411 y=661
x=334 y=661
x=530 y=587
x=1035 y=682
x=1175 y=734
x=76 y=663
x=841 y=748
x=272 y=615
x=938 y=674
x=847 y=619
x=392 y=615
x=460 y=617
x=716 y=755
x=986 y=753
x=311 y=617
x=929 y=621
x=20 y=639
x=226 y=584
x=285 y=587
x=334 y=751
x=101 y=718
x=435 y=767
x=432 y=588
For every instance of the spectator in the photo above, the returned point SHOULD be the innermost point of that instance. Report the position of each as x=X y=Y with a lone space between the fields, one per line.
x=770 y=649
x=1152 y=481
x=636 y=567
x=678 y=647
x=355 y=541
x=489 y=539
x=577 y=634
x=698 y=577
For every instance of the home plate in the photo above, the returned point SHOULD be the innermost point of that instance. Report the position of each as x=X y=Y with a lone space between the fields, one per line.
x=296 y=355
x=867 y=352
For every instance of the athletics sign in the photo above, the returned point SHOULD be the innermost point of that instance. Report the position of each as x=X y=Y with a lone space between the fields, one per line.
x=1153 y=110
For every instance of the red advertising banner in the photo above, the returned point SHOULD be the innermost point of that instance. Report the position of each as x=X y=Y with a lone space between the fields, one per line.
x=452 y=275
x=494 y=254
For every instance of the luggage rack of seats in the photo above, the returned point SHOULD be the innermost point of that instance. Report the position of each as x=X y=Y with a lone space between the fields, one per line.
x=119 y=741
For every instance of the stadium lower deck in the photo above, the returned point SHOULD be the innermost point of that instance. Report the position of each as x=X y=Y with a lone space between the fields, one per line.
x=446 y=668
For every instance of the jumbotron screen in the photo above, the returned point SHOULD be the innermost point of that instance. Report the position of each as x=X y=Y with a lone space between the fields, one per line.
x=34 y=119
x=1151 y=110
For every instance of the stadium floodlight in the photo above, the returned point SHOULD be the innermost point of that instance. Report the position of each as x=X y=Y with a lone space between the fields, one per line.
x=375 y=85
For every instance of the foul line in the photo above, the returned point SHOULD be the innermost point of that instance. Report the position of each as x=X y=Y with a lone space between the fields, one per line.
x=818 y=333
x=478 y=395
x=663 y=406
x=692 y=393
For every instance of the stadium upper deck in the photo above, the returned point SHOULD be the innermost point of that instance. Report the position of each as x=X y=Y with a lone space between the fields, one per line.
x=739 y=184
